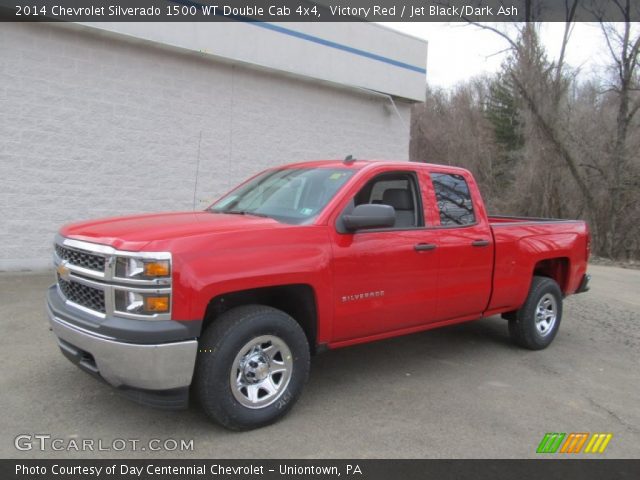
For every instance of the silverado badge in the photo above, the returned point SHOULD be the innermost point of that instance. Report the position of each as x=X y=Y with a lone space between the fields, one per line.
x=362 y=296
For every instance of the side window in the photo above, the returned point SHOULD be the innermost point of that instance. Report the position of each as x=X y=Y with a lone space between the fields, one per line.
x=399 y=190
x=454 y=199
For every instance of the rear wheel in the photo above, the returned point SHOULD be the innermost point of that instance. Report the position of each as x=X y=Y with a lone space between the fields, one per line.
x=536 y=324
x=252 y=365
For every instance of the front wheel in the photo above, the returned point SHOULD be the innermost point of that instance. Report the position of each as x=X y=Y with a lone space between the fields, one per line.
x=252 y=365
x=536 y=324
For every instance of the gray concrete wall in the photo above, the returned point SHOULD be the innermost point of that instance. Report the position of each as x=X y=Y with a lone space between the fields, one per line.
x=98 y=125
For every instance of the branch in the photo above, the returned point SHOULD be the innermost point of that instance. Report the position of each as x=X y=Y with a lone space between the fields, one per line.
x=610 y=47
x=568 y=26
x=497 y=53
x=633 y=110
x=633 y=55
x=620 y=7
x=550 y=133
x=598 y=169
x=513 y=44
x=609 y=89
x=569 y=15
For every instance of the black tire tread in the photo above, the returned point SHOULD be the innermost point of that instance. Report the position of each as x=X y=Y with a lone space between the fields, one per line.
x=211 y=341
x=521 y=326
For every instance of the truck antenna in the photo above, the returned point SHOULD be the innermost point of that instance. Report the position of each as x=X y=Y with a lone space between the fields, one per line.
x=349 y=159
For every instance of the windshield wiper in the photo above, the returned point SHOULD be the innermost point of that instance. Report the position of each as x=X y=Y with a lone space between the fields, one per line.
x=243 y=212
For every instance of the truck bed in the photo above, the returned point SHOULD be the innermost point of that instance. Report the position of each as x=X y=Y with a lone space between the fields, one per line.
x=527 y=246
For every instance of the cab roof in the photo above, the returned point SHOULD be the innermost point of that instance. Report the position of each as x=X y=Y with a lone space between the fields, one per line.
x=360 y=164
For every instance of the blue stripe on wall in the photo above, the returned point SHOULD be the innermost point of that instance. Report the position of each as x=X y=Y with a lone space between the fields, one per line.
x=338 y=46
x=314 y=39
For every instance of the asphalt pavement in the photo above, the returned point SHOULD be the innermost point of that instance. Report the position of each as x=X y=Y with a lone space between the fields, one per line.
x=458 y=392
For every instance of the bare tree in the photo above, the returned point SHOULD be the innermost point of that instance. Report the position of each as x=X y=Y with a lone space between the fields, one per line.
x=543 y=87
x=538 y=81
x=624 y=49
x=576 y=152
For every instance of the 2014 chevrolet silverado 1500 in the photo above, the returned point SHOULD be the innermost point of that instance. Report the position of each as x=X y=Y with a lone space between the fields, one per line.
x=230 y=302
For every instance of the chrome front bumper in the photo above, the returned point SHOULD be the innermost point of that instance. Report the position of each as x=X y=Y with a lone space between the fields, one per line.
x=164 y=366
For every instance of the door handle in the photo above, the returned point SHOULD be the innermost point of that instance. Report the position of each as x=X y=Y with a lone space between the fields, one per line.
x=480 y=243
x=421 y=247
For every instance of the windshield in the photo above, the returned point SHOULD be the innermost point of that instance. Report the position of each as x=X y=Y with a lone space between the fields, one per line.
x=290 y=195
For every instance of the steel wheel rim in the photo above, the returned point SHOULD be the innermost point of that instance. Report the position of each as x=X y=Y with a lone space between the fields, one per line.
x=261 y=371
x=546 y=314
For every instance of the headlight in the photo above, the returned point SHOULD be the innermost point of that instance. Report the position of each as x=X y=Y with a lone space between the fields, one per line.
x=143 y=271
x=142 y=303
x=142 y=268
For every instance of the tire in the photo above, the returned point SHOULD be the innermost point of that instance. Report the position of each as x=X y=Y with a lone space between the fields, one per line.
x=267 y=351
x=536 y=324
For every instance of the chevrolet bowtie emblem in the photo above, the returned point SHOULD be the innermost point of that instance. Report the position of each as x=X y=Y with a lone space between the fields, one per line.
x=63 y=270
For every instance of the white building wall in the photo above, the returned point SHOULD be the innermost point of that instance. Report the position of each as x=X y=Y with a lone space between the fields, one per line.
x=362 y=54
x=94 y=125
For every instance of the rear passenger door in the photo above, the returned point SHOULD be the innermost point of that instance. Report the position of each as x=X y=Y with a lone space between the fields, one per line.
x=465 y=247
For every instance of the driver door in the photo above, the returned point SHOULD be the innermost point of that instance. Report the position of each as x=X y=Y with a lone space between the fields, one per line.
x=385 y=280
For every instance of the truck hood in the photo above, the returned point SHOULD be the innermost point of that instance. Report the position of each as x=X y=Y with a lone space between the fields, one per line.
x=136 y=231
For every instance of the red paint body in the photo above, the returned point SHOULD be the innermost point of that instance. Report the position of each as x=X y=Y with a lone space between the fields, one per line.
x=216 y=254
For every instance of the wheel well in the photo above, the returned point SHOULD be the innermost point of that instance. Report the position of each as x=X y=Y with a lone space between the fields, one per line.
x=298 y=301
x=555 y=268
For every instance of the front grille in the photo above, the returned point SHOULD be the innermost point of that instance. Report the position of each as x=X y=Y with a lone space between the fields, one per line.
x=88 y=297
x=80 y=258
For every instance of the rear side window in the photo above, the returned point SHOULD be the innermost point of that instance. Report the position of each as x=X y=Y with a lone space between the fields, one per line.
x=454 y=199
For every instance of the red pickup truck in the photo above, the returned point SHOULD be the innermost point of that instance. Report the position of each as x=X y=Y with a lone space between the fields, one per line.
x=229 y=303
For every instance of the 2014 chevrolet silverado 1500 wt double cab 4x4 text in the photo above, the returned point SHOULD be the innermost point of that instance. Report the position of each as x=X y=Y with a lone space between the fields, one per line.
x=230 y=302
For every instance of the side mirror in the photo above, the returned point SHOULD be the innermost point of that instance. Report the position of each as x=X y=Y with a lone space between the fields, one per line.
x=369 y=215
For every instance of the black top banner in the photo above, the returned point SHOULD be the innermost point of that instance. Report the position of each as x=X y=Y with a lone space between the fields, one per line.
x=317 y=11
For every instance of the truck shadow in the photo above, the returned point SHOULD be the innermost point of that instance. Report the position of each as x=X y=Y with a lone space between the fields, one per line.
x=452 y=341
x=457 y=344
x=337 y=376
x=383 y=362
